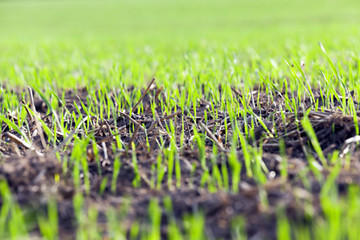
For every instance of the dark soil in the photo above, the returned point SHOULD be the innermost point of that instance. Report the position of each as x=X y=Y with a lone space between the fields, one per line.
x=35 y=175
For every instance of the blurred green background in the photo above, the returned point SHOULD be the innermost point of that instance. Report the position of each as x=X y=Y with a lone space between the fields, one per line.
x=70 y=43
x=171 y=19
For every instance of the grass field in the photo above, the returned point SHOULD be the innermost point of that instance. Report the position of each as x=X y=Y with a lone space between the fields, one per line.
x=186 y=119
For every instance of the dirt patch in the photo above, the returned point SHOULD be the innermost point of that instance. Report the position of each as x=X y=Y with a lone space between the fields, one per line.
x=43 y=168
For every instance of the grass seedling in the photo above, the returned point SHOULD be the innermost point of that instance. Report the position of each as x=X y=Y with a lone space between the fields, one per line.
x=353 y=112
x=201 y=146
x=216 y=174
x=137 y=178
x=178 y=172
x=247 y=156
x=64 y=164
x=114 y=230
x=153 y=176
x=238 y=228
x=283 y=226
x=103 y=185
x=78 y=203
x=49 y=225
x=315 y=168
x=85 y=168
x=329 y=185
x=332 y=210
x=170 y=155
x=334 y=157
x=194 y=226
x=50 y=107
x=192 y=174
x=5 y=210
x=15 y=127
x=206 y=180
x=235 y=166
x=313 y=139
x=263 y=198
x=92 y=228
x=352 y=213
x=78 y=159
x=135 y=230
x=173 y=230
x=11 y=216
x=334 y=69
x=225 y=175
x=160 y=171
x=155 y=220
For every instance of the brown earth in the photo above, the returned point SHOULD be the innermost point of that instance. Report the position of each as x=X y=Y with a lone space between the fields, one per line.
x=35 y=175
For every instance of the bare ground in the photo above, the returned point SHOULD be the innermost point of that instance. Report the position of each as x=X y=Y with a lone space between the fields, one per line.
x=35 y=174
